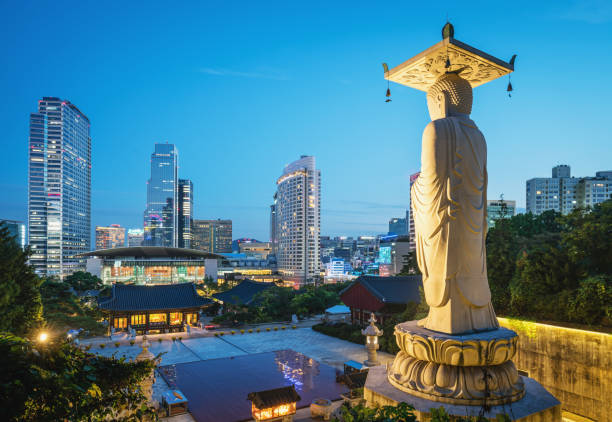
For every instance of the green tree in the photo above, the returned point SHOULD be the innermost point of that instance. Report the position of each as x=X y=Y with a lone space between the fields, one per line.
x=587 y=236
x=81 y=281
x=592 y=301
x=410 y=264
x=20 y=302
x=57 y=381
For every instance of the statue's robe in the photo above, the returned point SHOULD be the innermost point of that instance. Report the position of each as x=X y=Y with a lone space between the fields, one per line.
x=449 y=200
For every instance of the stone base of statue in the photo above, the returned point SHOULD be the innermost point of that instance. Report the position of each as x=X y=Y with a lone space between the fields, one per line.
x=467 y=374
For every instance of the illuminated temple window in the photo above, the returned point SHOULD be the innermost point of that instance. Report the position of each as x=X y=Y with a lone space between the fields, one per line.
x=120 y=323
x=157 y=318
x=139 y=319
x=176 y=318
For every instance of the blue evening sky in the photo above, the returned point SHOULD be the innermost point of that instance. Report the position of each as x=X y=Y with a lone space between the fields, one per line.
x=243 y=88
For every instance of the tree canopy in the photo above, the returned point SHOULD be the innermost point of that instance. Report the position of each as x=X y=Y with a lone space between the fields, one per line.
x=20 y=302
x=553 y=267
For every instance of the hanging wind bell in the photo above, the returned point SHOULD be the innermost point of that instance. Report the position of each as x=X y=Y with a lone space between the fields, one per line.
x=388 y=94
x=509 y=89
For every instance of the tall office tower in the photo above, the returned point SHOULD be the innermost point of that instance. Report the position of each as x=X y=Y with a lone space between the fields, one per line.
x=398 y=226
x=59 y=187
x=212 y=235
x=298 y=220
x=135 y=237
x=411 y=232
x=17 y=230
x=499 y=208
x=110 y=237
x=161 y=216
x=273 y=235
x=185 y=212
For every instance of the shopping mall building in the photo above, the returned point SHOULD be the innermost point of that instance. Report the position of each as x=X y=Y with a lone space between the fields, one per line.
x=152 y=265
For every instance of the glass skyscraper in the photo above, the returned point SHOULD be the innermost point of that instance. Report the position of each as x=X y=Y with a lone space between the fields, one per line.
x=59 y=187
x=185 y=213
x=161 y=216
x=212 y=236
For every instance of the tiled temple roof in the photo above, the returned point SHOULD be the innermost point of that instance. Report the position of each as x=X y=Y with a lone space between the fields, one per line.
x=151 y=298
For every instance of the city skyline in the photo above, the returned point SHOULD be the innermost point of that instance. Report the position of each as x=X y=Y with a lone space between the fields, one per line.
x=222 y=110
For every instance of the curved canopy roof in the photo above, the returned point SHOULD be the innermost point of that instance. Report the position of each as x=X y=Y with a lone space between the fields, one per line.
x=152 y=252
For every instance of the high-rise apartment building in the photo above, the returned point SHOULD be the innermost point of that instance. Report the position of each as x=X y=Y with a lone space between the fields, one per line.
x=110 y=237
x=135 y=237
x=499 y=208
x=212 y=236
x=16 y=230
x=563 y=193
x=161 y=216
x=185 y=212
x=594 y=190
x=59 y=187
x=298 y=220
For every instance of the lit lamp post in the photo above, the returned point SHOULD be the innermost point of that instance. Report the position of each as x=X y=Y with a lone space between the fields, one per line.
x=278 y=404
x=372 y=332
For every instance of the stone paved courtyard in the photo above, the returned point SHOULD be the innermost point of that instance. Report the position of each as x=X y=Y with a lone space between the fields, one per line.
x=320 y=347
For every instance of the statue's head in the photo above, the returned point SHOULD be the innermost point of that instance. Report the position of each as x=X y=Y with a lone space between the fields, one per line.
x=449 y=95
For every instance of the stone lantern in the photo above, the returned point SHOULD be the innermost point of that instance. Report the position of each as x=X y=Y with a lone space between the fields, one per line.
x=147 y=383
x=372 y=332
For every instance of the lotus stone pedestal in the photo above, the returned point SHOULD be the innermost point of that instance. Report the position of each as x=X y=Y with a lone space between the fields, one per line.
x=466 y=374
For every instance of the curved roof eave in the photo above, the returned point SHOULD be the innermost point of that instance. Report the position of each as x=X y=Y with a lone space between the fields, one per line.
x=151 y=252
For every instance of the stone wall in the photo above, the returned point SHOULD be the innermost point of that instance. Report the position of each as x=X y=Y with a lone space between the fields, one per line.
x=573 y=365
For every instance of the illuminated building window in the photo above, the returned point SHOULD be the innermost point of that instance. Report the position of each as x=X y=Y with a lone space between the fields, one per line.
x=176 y=318
x=157 y=318
x=140 y=319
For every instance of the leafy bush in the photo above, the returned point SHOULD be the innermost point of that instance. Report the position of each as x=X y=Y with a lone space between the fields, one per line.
x=132 y=342
x=275 y=328
x=250 y=330
x=159 y=340
x=117 y=344
x=267 y=328
x=102 y=345
x=294 y=327
x=593 y=301
x=258 y=330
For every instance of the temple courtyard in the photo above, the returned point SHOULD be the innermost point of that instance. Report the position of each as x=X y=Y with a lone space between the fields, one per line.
x=196 y=354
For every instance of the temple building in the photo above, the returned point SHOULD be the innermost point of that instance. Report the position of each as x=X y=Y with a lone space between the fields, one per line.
x=383 y=296
x=153 y=309
x=152 y=265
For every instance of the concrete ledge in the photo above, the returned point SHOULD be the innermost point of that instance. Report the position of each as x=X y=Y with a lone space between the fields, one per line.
x=538 y=405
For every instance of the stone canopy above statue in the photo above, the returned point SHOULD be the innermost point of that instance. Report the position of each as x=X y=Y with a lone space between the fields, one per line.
x=449 y=55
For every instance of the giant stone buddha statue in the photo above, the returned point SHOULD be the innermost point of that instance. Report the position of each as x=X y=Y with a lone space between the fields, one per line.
x=449 y=201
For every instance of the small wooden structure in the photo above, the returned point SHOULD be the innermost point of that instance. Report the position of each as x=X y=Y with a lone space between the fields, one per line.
x=174 y=402
x=154 y=309
x=278 y=404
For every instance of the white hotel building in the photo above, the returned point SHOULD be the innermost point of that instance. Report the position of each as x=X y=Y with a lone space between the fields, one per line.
x=297 y=221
